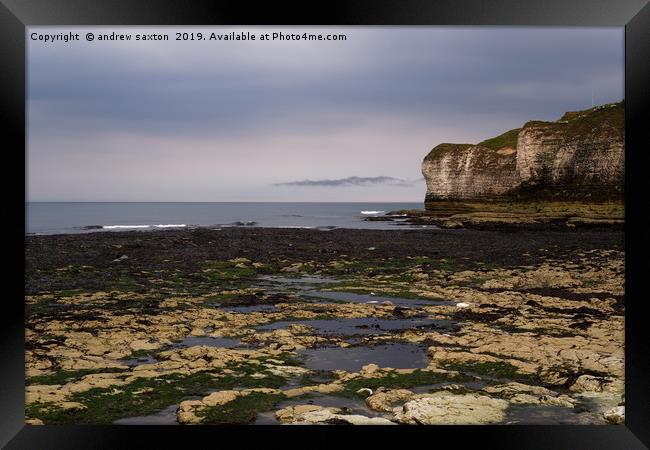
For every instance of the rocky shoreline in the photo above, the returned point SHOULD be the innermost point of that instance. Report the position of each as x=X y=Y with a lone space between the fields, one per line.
x=522 y=324
x=502 y=214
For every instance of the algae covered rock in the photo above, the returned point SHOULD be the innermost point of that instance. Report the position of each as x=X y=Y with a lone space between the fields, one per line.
x=385 y=401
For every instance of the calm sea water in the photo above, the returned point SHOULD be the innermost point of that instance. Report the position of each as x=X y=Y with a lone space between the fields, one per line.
x=57 y=218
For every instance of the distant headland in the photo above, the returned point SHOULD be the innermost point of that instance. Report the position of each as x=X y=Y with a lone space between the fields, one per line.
x=579 y=157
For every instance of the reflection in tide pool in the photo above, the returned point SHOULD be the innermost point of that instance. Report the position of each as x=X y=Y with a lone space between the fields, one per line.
x=165 y=417
x=352 y=359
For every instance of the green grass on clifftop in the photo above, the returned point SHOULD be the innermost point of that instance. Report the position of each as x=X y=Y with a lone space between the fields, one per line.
x=507 y=139
x=578 y=123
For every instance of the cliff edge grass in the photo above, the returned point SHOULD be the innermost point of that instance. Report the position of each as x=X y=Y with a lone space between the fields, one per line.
x=504 y=144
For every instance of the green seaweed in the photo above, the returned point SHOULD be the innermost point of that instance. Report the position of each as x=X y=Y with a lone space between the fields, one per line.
x=492 y=369
x=241 y=410
x=146 y=396
x=65 y=376
x=226 y=270
x=394 y=380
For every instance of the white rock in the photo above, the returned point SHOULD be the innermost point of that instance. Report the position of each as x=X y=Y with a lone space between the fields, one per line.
x=354 y=419
x=443 y=408
x=615 y=415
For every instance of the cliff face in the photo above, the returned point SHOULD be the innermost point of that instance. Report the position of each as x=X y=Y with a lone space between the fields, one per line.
x=454 y=171
x=581 y=156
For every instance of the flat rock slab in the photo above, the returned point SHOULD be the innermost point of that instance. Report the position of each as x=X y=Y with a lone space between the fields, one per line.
x=448 y=409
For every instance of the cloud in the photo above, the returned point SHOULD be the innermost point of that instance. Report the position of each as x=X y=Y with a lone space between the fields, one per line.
x=420 y=75
x=207 y=121
x=352 y=181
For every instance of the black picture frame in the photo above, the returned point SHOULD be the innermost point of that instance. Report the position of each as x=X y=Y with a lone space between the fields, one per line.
x=634 y=15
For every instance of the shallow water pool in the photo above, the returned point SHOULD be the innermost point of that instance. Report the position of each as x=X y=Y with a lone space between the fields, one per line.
x=363 y=325
x=352 y=359
x=165 y=417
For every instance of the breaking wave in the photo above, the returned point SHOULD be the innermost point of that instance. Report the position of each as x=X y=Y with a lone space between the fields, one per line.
x=126 y=227
x=295 y=227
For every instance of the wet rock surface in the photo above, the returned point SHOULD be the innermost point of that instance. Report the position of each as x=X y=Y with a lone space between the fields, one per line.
x=238 y=326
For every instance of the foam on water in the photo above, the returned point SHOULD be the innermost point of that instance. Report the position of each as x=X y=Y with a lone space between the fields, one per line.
x=297 y=227
x=120 y=227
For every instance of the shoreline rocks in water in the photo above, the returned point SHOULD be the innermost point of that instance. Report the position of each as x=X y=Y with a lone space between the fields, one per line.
x=513 y=215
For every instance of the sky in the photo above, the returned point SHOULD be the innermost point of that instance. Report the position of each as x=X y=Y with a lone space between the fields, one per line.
x=292 y=120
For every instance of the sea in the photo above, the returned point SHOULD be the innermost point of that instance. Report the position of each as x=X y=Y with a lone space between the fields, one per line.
x=81 y=217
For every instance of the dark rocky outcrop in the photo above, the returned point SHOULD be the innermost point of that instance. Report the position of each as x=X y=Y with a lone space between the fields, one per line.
x=579 y=157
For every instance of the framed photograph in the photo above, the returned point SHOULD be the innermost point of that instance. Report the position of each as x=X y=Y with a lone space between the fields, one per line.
x=409 y=217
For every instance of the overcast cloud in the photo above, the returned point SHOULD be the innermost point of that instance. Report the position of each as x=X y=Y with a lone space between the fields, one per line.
x=351 y=181
x=293 y=121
